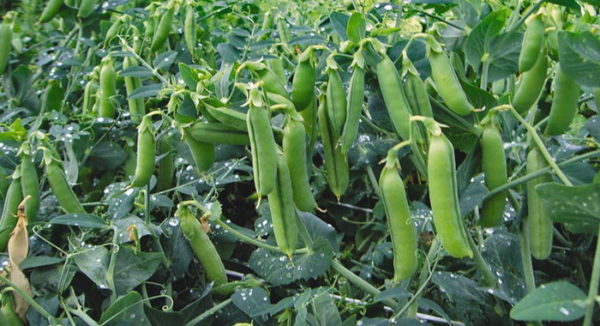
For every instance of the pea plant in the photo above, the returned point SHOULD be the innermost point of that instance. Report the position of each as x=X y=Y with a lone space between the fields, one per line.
x=259 y=162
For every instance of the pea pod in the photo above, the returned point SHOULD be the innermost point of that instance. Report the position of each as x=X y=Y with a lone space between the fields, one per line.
x=294 y=151
x=59 y=185
x=146 y=153
x=415 y=90
x=538 y=224
x=276 y=66
x=11 y=318
x=227 y=116
x=166 y=165
x=272 y=83
x=4 y=183
x=281 y=205
x=14 y=196
x=393 y=96
x=493 y=163
x=444 y=197
x=218 y=133
x=564 y=104
x=447 y=84
x=163 y=29
x=86 y=8
x=5 y=45
x=31 y=187
x=203 y=248
x=533 y=43
x=203 y=154
x=336 y=164
x=531 y=85
x=113 y=30
x=88 y=96
x=189 y=27
x=400 y=225
x=596 y=93
x=136 y=106
x=336 y=104
x=130 y=161
x=303 y=83
x=262 y=145
x=107 y=90
x=356 y=96
x=50 y=11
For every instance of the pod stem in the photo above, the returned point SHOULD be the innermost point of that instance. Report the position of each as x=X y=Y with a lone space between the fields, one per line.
x=593 y=290
x=209 y=312
x=425 y=275
x=489 y=279
x=28 y=298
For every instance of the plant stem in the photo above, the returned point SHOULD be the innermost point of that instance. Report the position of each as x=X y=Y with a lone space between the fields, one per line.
x=526 y=260
x=530 y=11
x=27 y=298
x=424 y=276
x=208 y=312
x=489 y=279
x=593 y=291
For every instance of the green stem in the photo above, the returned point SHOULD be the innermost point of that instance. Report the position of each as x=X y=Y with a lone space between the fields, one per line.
x=424 y=276
x=209 y=312
x=489 y=279
x=27 y=298
x=526 y=260
x=110 y=273
x=373 y=179
x=484 y=74
x=530 y=11
x=593 y=291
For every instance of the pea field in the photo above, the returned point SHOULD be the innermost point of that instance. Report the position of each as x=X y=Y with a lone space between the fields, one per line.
x=299 y=163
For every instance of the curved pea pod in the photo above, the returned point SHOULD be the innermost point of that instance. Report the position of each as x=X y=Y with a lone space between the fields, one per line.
x=130 y=162
x=5 y=45
x=113 y=30
x=303 y=83
x=163 y=29
x=443 y=196
x=394 y=97
x=146 y=153
x=356 y=96
x=294 y=152
x=203 y=248
x=416 y=91
x=166 y=165
x=336 y=104
x=400 y=225
x=189 y=27
x=14 y=196
x=336 y=164
x=8 y=315
x=564 y=104
x=271 y=82
x=203 y=153
x=86 y=8
x=50 y=11
x=596 y=93
x=276 y=66
x=107 y=90
x=493 y=161
x=531 y=85
x=137 y=107
x=88 y=96
x=533 y=43
x=281 y=205
x=30 y=186
x=309 y=119
x=4 y=183
x=227 y=116
x=538 y=224
x=447 y=84
x=218 y=133
x=264 y=150
x=60 y=187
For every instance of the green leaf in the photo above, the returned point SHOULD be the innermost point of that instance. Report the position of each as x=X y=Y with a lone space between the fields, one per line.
x=356 y=27
x=108 y=155
x=558 y=301
x=127 y=310
x=80 y=220
x=39 y=261
x=251 y=301
x=165 y=60
x=93 y=262
x=202 y=302
x=189 y=76
x=567 y=3
x=339 y=21
x=579 y=56
x=578 y=206
x=136 y=71
x=132 y=268
x=150 y=90
x=392 y=293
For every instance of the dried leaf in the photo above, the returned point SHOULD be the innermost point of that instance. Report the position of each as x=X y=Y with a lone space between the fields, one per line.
x=18 y=248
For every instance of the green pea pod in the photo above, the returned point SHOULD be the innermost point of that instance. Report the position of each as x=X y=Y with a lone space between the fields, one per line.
x=203 y=154
x=416 y=91
x=538 y=224
x=336 y=163
x=107 y=90
x=336 y=104
x=264 y=149
x=447 y=84
x=394 y=97
x=130 y=162
x=228 y=116
x=564 y=104
x=60 y=187
x=146 y=153
x=493 y=161
x=11 y=318
x=309 y=119
x=166 y=165
x=14 y=196
x=112 y=31
x=531 y=85
x=443 y=196
x=5 y=45
x=88 y=96
x=163 y=29
x=218 y=133
x=276 y=66
x=356 y=96
x=596 y=93
x=4 y=183
x=137 y=108
x=303 y=83
x=189 y=27
x=281 y=205
x=86 y=8
x=31 y=187
x=203 y=248
x=401 y=227
x=294 y=151
x=50 y=11
x=271 y=82
x=533 y=43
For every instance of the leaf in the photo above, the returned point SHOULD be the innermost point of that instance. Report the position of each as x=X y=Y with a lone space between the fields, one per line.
x=93 y=262
x=18 y=248
x=318 y=229
x=107 y=155
x=479 y=40
x=150 y=90
x=124 y=223
x=136 y=71
x=40 y=261
x=202 y=302
x=164 y=60
x=356 y=27
x=392 y=293
x=79 y=219
x=578 y=206
x=189 y=76
x=132 y=268
x=471 y=197
x=127 y=310
x=228 y=52
x=339 y=22
x=567 y=3
x=251 y=301
x=579 y=56
x=558 y=301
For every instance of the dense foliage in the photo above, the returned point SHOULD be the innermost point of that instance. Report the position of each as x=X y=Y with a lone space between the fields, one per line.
x=189 y=162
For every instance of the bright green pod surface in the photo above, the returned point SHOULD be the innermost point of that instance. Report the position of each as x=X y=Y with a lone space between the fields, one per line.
x=5 y=45
x=146 y=154
x=336 y=104
x=166 y=165
x=218 y=133
x=14 y=196
x=355 y=105
x=108 y=89
x=229 y=117
x=303 y=85
x=283 y=214
x=531 y=85
x=264 y=150
x=189 y=28
x=86 y=8
x=4 y=183
x=50 y=11
x=447 y=84
x=336 y=164
x=88 y=96
x=137 y=108
x=163 y=29
x=30 y=185
x=533 y=43
x=443 y=196
x=493 y=161
x=294 y=150
x=393 y=96
x=203 y=154
x=61 y=189
x=272 y=82
x=401 y=227
x=538 y=224
x=564 y=104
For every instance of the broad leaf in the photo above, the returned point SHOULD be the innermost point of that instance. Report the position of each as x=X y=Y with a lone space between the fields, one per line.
x=578 y=206
x=558 y=301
